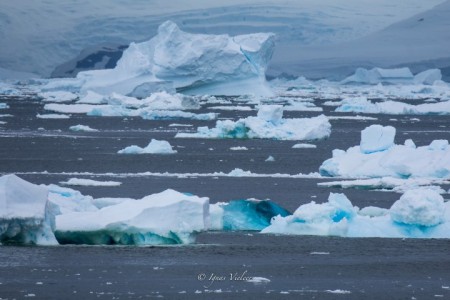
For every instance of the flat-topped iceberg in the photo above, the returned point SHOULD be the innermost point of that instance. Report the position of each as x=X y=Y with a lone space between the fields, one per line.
x=418 y=213
x=268 y=124
x=379 y=75
x=168 y=217
x=25 y=217
x=377 y=156
x=173 y=59
x=362 y=105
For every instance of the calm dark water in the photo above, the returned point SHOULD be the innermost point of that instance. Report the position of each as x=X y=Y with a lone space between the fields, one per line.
x=312 y=267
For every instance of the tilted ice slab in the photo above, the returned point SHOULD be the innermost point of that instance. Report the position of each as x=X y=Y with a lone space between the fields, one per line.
x=418 y=213
x=173 y=59
x=154 y=147
x=362 y=105
x=268 y=124
x=25 y=216
x=168 y=217
x=400 y=161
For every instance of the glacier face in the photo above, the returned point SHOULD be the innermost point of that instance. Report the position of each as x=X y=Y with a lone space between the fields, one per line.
x=187 y=62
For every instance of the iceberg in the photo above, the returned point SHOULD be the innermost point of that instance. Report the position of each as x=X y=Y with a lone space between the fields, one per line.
x=57 y=96
x=418 y=213
x=428 y=77
x=377 y=138
x=84 y=128
x=378 y=75
x=362 y=105
x=168 y=217
x=248 y=214
x=390 y=160
x=154 y=147
x=268 y=124
x=192 y=63
x=25 y=216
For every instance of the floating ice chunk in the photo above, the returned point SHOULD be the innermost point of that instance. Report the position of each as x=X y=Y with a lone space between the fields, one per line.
x=377 y=138
x=378 y=75
x=304 y=146
x=165 y=218
x=217 y=63
x=270 y=158
x=266 y=125
x=154 y=147
x=91 y=97
x=72 y=108
x=57 y=96
x=239 y=148
x=25 y=216
x=338 y=291
x=362 y=105
x=232 y=108
x=82 y=128
x=90 y=182
x=166 y=101
x=421 y=207
x=418 y=214
x=250 y=214
x=271 y=113
x=258 y=280
x=428 y=76
x=400 y=161
x=4 y=106
x=52 y=116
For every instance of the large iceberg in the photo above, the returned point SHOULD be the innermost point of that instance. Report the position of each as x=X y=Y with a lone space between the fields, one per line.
x=400 y=161
x=25 y=216
x=168 y=217
x=268 y=124
x=419 y=213
x=192 y=63
x=378 y=75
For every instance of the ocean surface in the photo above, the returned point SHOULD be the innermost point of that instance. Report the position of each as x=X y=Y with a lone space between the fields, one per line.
x=219 y=265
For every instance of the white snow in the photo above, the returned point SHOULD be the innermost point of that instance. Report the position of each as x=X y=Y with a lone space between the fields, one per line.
x=72 y=108
x=401 y=161
x=91 y=97
x=82 y=128
x=25 y=216
x=154 y=147
x=89 y=182
x=418 y=214
x=217 y=63
x=428 y=77
x=268 y=124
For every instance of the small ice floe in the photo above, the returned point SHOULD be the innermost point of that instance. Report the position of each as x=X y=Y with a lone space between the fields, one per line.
x=57 y=96
x=304 y=146
x=319 y=253
x=4 y=106
x=232 y=108
x=84 y=128
x=258 y=280
x=270 y=159
x=154 y=147
x=338 y=291
x=239 y=148
x=52 y=116
x=89 y=182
